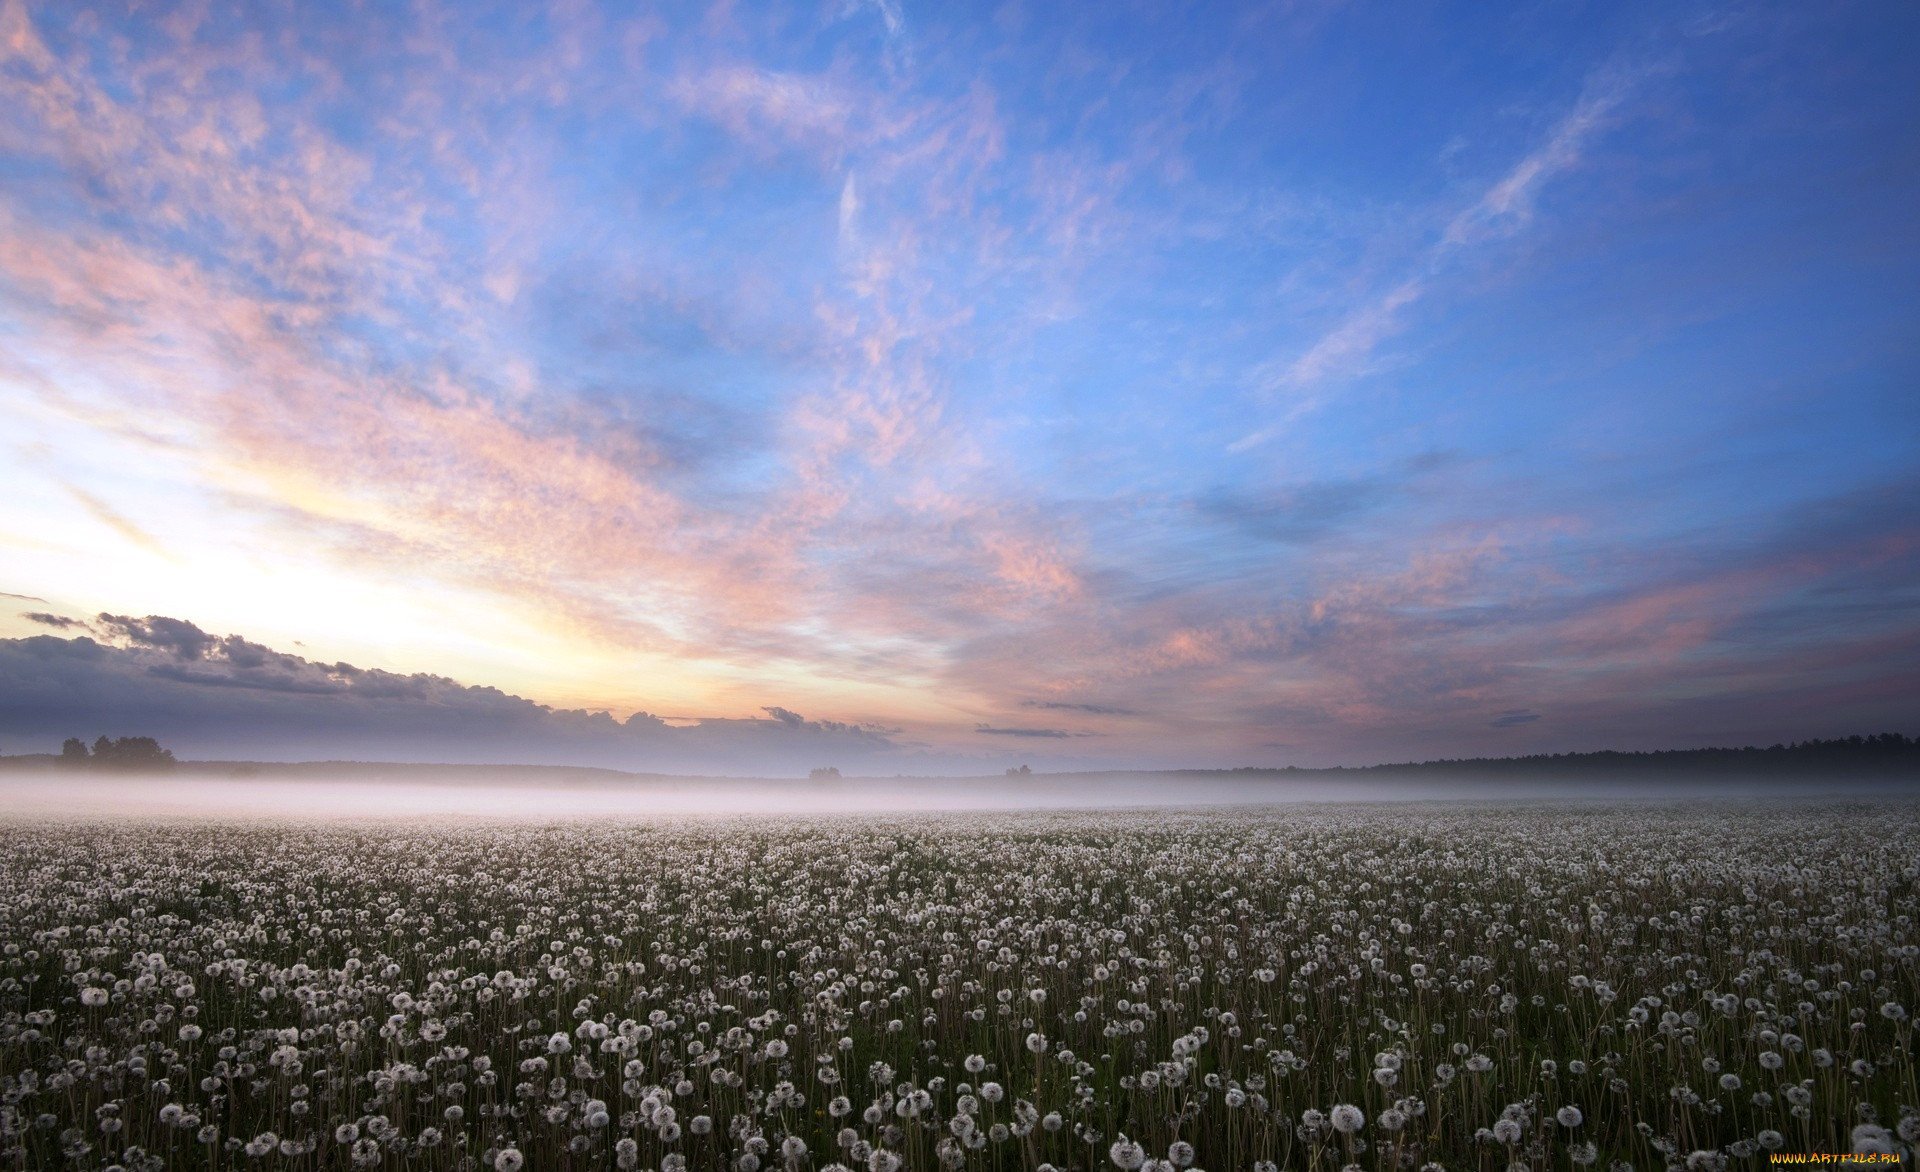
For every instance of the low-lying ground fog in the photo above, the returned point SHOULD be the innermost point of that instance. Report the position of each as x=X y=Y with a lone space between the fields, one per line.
x=1483 y=985
x=333 y=792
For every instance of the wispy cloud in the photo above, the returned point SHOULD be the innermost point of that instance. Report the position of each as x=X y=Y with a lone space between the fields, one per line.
x=1068 y=706
x=1508 y=206
x=110 y=517
x=772 y=108
x=1504 y=209
x=713 y=355
x=1053 y=734
x=1512 y=717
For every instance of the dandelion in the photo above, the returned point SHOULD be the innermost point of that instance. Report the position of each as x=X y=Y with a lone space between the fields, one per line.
x=1871 y=1138
x=762 y=965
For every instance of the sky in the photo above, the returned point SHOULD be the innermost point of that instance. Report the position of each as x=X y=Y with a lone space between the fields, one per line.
x=743 y=387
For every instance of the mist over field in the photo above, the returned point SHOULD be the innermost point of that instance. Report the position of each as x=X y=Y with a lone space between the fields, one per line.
x=505 y=795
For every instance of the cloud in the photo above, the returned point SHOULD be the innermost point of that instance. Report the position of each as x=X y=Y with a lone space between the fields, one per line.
x=1066 y=706
x=1296 y=516
x=654 y=340
x=311 y=318
x=891 y=17
x=1504 y=209
x=849 y=212
x=208 y=679
x=1046 y=733
x=1512 y=717
x=51 y=620
x=772 y=108
x=1423 y=647
x=177 y=637
x=224 y=697
x=22 y=597
x=1507 y=206
x=1306 y=513
x=108 y=516
x=1344 y=350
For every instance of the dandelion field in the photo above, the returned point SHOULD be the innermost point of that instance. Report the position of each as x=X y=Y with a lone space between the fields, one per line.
x=1375 y=986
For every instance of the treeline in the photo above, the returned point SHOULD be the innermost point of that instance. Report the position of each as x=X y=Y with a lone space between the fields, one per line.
x=130 y=754
x=1881 y=754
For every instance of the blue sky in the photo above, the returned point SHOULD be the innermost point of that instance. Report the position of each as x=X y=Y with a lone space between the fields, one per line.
x=1135 y=384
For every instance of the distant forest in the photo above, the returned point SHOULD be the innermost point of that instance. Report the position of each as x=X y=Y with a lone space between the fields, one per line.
x=1884 y=754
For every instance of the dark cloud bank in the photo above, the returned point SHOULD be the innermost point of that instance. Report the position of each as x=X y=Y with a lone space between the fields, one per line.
x=215 y=697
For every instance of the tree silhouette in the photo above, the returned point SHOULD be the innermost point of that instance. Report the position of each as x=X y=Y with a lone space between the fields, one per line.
x=128 y=754
x=1880 y=755
x=824 y=773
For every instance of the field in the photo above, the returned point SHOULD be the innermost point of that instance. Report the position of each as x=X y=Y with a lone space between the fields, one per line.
x=1467 y=986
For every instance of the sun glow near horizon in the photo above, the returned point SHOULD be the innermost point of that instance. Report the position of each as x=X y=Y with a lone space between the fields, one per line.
x=964 y=386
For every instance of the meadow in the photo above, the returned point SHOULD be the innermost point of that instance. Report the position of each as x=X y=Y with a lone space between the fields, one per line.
x=1466 y=986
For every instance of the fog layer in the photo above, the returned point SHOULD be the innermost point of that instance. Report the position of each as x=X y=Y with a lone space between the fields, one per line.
x=499 y=796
